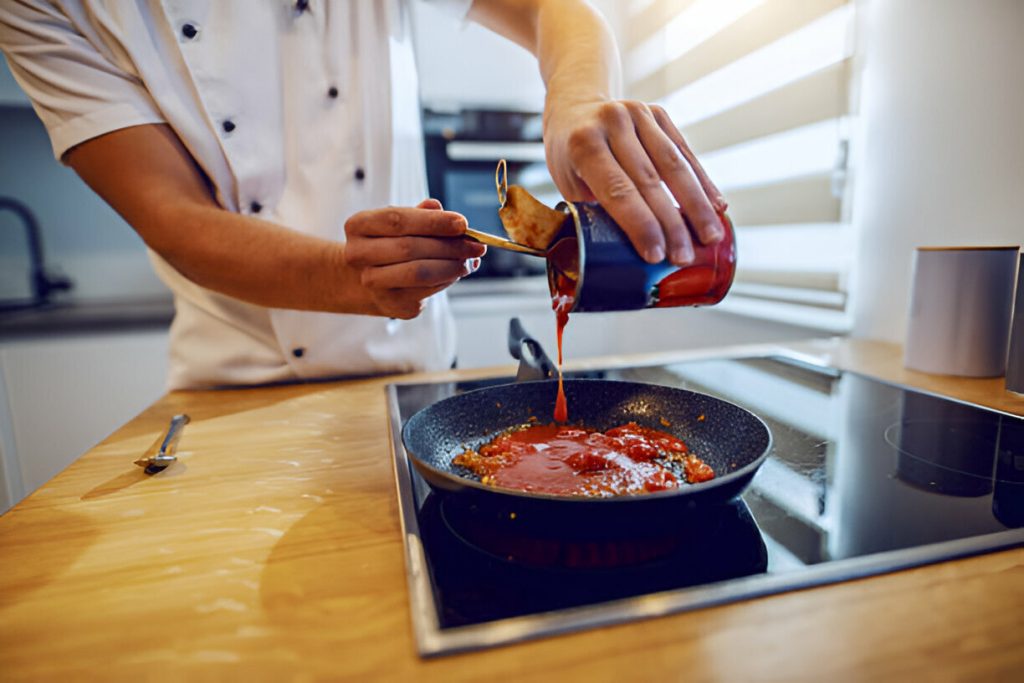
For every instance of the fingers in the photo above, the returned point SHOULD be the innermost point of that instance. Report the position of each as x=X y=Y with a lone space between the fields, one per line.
x=665 y=123
x=363 y=253
x=397 y=235
x=647 y=171
x=406 y=303
x=614 y=189
x=679 y=175
x=405 y=255
x=565 y=175
x=398 y=221
x=624 y=155
x=426 y=273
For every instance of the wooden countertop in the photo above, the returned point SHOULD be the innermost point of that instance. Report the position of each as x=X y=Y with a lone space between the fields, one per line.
x=272 y=551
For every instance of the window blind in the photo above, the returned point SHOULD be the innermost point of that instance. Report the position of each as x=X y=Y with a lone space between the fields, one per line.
x=761 y=90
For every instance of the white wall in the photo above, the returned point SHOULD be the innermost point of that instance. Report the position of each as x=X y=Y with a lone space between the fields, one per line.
x=465 y=65
x=941 y=155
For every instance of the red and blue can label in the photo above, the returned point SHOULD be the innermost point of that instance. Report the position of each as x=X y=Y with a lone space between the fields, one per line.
x=593 y=261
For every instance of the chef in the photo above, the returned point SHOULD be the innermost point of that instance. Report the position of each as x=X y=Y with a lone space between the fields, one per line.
x=269 y=154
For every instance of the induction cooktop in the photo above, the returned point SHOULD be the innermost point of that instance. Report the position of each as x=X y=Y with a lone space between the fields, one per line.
x=864 y=478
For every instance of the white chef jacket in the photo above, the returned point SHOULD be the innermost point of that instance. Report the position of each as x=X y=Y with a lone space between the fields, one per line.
x=302 y=112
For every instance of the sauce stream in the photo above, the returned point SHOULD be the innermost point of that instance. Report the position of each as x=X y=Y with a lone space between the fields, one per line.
x=563 y=274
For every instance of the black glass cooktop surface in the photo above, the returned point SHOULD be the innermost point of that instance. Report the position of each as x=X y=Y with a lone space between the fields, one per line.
x=864 y=478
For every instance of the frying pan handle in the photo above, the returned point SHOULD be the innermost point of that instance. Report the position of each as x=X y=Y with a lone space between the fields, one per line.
x=534 y=364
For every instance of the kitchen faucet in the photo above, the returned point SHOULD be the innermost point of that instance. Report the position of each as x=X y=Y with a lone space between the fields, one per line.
x=43 y=284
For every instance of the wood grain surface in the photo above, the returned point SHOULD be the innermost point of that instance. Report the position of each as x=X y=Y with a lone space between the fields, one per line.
x=272 y=551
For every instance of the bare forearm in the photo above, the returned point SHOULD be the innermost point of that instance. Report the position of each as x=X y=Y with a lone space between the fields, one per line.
x=147 y=176
x=584 y=68
x=393 y=260
x=620 y=153
x=573 y=44
x=257 y=261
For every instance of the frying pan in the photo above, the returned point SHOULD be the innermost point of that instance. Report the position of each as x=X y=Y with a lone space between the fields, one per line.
x=733 y=441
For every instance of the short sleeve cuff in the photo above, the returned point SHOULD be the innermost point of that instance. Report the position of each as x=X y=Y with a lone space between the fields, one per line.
x=75 y=131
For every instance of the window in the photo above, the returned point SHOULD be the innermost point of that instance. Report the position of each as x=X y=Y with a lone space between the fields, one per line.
x=761 y=90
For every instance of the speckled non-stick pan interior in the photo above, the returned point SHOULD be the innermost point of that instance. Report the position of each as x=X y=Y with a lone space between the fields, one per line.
x=728 y=438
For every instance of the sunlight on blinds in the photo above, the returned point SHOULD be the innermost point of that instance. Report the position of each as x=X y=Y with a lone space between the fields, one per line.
x=801 y=151
x=689 y=28
x=638 y=6
x=760 y=89
x=812 y=48
x=817 y=97
x=823 y=247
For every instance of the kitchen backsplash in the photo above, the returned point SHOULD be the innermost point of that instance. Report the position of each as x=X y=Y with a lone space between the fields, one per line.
x=83 y=238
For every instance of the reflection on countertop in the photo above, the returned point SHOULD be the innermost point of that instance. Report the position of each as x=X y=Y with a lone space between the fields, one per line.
x=88 y=316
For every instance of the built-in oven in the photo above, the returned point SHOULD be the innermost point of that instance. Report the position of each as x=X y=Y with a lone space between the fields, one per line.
x=462 y=152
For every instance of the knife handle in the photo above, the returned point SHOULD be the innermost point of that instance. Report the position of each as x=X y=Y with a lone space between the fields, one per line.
x=165 y=455
x=170 y=443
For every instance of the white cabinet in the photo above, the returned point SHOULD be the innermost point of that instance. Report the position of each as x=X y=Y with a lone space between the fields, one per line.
x=59 y=396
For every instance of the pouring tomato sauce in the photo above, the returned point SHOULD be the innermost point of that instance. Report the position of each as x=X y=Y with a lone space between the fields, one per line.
x=562 y=459
x=705 y=281
x=563 y=274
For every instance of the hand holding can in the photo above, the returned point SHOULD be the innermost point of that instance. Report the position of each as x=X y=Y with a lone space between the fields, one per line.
x=593 y=262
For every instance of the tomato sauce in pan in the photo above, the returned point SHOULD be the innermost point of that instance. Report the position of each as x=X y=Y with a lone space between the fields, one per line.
x=560 y=459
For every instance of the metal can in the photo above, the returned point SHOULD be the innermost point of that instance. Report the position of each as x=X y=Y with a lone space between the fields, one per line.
x=592 y=266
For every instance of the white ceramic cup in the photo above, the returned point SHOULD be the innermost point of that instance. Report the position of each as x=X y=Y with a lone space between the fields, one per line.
x=960 y=305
